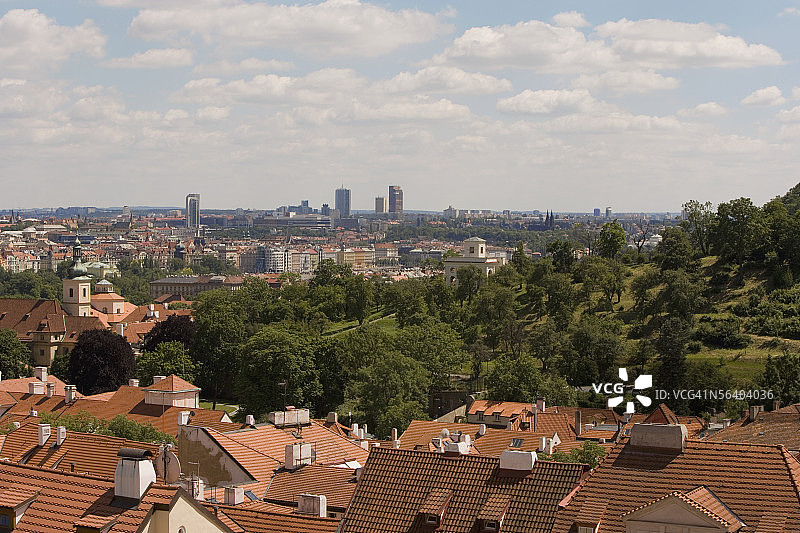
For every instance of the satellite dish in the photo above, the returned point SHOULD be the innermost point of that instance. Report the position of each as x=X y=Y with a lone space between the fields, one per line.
x=167 y=466
x=445 y=433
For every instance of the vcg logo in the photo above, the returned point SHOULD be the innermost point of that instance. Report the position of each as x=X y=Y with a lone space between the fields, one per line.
x=645 y=381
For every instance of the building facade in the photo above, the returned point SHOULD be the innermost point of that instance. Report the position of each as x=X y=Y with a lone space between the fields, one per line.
x=193 y=210
x=395 y=200
x=342 y=203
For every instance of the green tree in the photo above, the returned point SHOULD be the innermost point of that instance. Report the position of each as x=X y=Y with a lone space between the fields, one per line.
x=611 y=240
x=277 y=355
x=168 y=358
x=782 y=376
x=174 y=328
x=675 y=251
x=219 y=335
x=494 y=307
x=358 y=298
x=670 y=372
x=739 y=229
x=561 y=300
x=507 y=276
x=470 y=278
x=13 y=355
x=589 y=453
x=521 y=262
x=434 y=344
x=545 y=344
x=562 y=254
x=596 y=348
x=699 y=224
x=394 y=380
x=519 y=380
x=101 y=361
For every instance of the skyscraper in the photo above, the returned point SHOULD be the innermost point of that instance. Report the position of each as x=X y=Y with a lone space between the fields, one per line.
x=342 y=203
x=396 y=200
x=193 y=210
x=381 y=205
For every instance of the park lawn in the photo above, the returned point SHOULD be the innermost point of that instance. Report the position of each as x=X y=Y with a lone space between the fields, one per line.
x=220 y=406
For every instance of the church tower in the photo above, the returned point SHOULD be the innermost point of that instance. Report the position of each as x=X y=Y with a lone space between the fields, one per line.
x=76 y=298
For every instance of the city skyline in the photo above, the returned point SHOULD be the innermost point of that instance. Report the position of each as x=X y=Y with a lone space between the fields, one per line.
x=510 y=106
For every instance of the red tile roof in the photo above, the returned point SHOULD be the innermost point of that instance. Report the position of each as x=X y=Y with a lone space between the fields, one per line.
x=24 y=315
x=173 y=384
x=336 y=484
x=395 y=484
x=255 y=521
x=757 y=483
x=767 y=428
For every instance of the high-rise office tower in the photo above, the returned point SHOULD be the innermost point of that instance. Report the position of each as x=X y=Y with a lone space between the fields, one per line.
x=608 y=212
x=395 y=200
x=192 y=210
x=342 y=203
x=381 y=205
x=597 y=211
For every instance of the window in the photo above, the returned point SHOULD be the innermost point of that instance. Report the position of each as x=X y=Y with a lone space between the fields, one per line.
x=586 y=529
x=480 y=415
x=490 y=525
x=84 y=292
x=71 y=293
x=481 y=249
x=472 y=249
x=4 y=520
x=516 y=443
x=497 y=416
x=432 y=519
x=41 y=352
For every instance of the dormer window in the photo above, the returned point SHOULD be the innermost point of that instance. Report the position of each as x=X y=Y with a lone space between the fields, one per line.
x=432 y=520
x=497 y=416
x=491 y=525
x=480 y=416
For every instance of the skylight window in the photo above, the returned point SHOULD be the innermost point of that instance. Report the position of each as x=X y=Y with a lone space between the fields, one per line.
x=516 y=443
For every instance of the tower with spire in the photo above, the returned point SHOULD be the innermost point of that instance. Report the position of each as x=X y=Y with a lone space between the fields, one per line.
x=76 y=298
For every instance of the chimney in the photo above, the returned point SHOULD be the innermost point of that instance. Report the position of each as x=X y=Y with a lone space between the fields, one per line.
x=134 y=473
x=394 y=434
x=70 y=393
x=119 y=329
x=312 y=504
x=41 y=373
x=776 y=405
x=510 y=425
x=234 y=495
x=659 y=436
x=534 y=419
x=61 y=435
x=726 y=422
x=183 y=417
x=540 y=405
x=51 y=389
x=156 y=379
x=1 y=376
x=296 y=455
x=482 y=430
x=514 y=460
x=578 y=428
x=250 y=420
x=354 y=428
x=437 y=443
x=456 y=448
x=35 y=387
x=542 y=443
x=133 y=382
x=44 y=433
x=333 y=418
x=33 y=412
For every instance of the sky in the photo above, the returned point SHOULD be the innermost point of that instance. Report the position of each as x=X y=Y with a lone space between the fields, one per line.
x=508 y=104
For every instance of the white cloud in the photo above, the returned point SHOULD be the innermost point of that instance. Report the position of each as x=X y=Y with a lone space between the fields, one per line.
x=251 y=64
x=789 y=115
x=790 y=11
x=531 y=45
x=332 y=27
x=570 y=19
x=19 y=98
x=658 y=43
x=795 y=93
x=212 y=113
x=622 y=45
x=154 y=58
x=627 y=81
x=452 y=80
x=549 y=101
x=30 y=41
x=707 y=109
x=768 y=96
x=418 y=108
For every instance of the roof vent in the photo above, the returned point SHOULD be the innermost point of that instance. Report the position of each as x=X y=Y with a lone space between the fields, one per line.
x=516 y=460
x=70 y=393
x=659 y=436
x=33 y=412
x=134 y=473
x=156 y=379
x=44 y=433
x=297 y=454
x=333 y=418
x=61 y=435
x=291 y=417
x=183 y=417
x=133 y=382
x=312 y=504
x=482 y=430
x=234 y=495
x=51 y=389
x=35 y=387
x=250 y=420
x=41 y=373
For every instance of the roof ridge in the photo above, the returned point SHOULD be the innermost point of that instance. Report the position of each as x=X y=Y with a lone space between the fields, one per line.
x=787 y=459
x=53 y=470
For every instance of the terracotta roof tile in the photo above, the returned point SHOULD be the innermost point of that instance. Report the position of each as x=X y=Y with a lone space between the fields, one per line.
x=254 y=521
x=395 y=483
x=768 y=428
x=172 y=383
x=737 y=474
x=336 y=484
